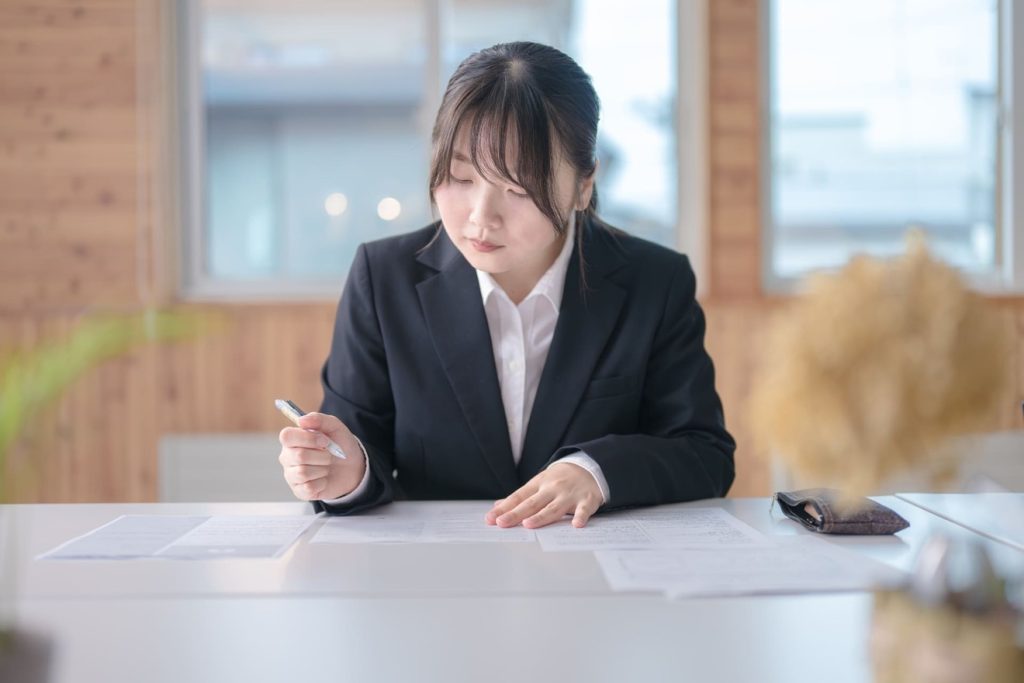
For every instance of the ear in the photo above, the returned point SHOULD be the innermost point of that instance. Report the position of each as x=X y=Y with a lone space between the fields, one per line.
x=586 y=189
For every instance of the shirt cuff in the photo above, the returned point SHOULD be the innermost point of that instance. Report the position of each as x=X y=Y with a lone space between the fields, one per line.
x=358 y=490
x=590 y=465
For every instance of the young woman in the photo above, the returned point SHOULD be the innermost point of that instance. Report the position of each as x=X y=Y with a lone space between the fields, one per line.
x=519 y=349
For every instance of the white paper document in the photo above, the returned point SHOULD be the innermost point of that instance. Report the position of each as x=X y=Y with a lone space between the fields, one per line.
x=786 y=565
x=456 y=522
x=239 y=536
x=653 y=528
x=184 y=537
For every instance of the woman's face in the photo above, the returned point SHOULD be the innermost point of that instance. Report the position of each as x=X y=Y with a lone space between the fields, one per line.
x=496 y=226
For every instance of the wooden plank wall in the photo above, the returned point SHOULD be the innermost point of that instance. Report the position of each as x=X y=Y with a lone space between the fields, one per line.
x=738 y=310
x=79 y=154
x=78 y=150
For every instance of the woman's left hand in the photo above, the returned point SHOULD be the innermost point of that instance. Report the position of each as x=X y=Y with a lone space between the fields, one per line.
x=561 y=489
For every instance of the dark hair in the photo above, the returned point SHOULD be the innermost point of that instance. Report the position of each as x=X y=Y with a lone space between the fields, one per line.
x=529 y=93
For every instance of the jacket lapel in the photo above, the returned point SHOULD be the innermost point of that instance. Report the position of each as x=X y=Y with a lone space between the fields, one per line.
x=455 y=316
x=585 y=323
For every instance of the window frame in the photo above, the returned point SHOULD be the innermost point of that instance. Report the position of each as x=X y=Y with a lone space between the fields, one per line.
x=1007 y=277
x=693 y=169
x=1011 y=116
x=197 y=285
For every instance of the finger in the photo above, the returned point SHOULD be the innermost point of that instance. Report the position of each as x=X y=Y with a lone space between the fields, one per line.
x=293 y=437
x=322 y=422
x=515 y=498
x=492 y=514
x=551 y=512
x=291 y=457
x=584 y=511
x=505 y=504
x=528 y=507
x=300 y=474
x=309 y=490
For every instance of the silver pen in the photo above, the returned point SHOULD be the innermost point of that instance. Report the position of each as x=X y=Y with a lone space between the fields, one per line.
x=293 y=413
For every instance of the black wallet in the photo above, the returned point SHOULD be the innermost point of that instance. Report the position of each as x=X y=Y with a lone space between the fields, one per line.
x=824 y=511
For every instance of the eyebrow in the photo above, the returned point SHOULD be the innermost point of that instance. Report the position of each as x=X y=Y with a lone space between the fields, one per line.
x=459 y=156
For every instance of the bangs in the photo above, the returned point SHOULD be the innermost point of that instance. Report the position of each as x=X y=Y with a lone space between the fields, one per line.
x=494 y=139
x=500 y=118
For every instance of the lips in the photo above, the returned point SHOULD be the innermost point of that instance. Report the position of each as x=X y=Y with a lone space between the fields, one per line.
x=484 y=247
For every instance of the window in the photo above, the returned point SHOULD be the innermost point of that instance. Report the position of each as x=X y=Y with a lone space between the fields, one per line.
x=307 y=124
x=885 y=115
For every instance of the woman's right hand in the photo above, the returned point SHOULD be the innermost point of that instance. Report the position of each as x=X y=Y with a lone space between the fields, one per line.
x=309 y=468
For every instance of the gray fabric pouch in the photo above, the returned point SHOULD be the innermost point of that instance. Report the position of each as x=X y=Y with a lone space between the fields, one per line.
x=819 y=510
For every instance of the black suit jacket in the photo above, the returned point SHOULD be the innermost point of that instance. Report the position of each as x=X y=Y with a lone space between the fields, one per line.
x=627 y=380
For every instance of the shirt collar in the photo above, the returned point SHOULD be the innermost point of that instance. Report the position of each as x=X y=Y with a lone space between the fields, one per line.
x=550 y=285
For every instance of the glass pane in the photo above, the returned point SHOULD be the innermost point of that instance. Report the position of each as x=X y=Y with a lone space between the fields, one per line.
x=312 y=122
x=883 y=117
x=315 y=138
x=637 y=177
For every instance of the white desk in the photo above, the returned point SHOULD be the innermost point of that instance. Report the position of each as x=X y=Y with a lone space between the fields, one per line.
x=482 y=612
x=998 y=516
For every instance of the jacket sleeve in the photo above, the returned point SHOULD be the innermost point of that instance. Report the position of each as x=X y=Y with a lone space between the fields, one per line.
x=356 y=386
x=682 y=450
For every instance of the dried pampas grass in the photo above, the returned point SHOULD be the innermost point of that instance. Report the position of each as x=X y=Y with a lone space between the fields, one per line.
x=868 y=373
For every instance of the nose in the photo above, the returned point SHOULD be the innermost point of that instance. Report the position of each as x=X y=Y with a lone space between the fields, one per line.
x=485 y=211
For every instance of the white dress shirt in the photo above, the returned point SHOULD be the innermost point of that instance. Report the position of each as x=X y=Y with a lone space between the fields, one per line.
x=521 y=338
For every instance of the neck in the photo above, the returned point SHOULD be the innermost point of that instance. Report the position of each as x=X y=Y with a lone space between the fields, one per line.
x=516 y=289
x=518 y=285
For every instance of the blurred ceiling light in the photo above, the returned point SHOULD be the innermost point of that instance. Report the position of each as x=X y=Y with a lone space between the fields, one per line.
x=335 y=204
x=389 y=208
